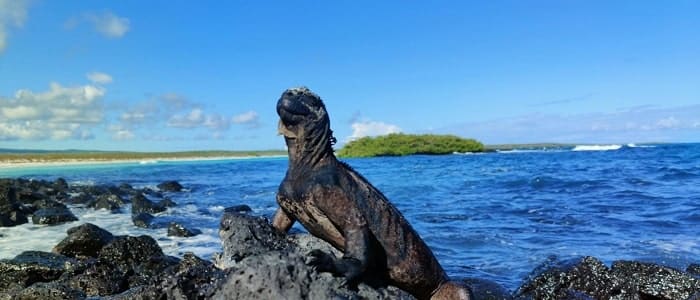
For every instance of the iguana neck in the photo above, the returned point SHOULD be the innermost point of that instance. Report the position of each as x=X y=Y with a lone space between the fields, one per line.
x=301 y=158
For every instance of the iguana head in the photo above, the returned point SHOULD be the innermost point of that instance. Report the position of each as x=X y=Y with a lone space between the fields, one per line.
x=304 y=122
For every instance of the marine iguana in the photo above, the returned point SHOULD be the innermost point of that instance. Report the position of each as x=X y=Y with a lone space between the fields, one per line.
x=335 y=203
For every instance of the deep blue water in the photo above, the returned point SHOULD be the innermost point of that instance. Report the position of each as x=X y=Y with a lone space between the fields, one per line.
x=495 y=216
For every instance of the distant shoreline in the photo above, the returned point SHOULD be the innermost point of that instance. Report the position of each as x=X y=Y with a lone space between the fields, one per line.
x=57 y=159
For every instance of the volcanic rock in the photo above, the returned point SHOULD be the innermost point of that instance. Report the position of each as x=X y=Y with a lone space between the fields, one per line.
x=143 y=220
x=32 y=266
x=170 y=186
x=48 y=291
x=141 y=204
x=11 y=211
x=177 y=229
x=84 y=240
x=243 y=235
x=53 y=216
x=653 y=281
x=108 y=201
x=238 y=209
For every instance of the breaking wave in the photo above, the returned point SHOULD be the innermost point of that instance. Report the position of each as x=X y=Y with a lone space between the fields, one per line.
x=597 y=148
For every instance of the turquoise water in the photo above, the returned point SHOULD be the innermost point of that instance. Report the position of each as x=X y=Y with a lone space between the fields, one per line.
x=494 y=215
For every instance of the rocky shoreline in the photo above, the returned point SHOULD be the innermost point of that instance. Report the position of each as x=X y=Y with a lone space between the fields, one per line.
x=256 y=261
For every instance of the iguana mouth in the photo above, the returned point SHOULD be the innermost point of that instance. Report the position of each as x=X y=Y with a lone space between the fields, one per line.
x=292 y=111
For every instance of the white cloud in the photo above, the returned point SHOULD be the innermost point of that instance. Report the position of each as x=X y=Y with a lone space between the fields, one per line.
x=251 y=119
x=197 y=118
x=59 y=113
x=668 y=123
x=639 y=124
x=216 y=122
x=371 y=128
x=99 y=78
x=120 y=133
x=194 y=118
x=13 y=13
x=109 y=24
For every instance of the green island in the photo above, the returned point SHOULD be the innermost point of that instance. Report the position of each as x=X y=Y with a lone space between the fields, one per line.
x=399 y=144
x=20 y=156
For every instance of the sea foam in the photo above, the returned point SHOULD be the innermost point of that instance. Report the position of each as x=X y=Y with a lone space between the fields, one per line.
x=597 y=147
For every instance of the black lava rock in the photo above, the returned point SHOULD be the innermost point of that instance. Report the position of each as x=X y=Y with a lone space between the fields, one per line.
x=11 y=211
x=167 y=202
x=80 y=198
x=589 y=278
x=110 y=202
x=694 y=269
x=238 y=209
x=141 y=204
x=48 y=291
x=61 y=185
x=100 y=279
x=176 y=229
x=587 y=275
x=192 y=278
x=486 y=289
x=170 y=186
x=30 y=267
x=656 y=282
x=135 y=254
x=84 y=240
x=53 y=216
x=244 y=235
x=143 y=220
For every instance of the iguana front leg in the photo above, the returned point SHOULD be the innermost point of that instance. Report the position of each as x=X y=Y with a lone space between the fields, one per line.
x=282 y=221
x=356 y=253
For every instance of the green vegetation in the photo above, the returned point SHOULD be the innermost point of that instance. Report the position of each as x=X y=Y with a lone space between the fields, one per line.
x=398 y=144
x=18 y=156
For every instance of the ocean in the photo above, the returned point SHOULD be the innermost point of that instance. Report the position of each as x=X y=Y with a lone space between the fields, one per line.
x=495 y=215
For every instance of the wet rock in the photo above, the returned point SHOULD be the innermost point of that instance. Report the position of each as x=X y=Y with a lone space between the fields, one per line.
x=176 y=229
x=111 y=202
x=167 y=202
x=48 y=291
x=693 y=269
x=80 y=198
x=84 y=240
x=141 y=204
x=11 y=211
x=244 y=235
x=655 y=281
x=94 y=190
x=170 y=186
x=99 y=280
x=487 y=290
x=192 y=278
x=46 y=203
x=589 y=278
x=32 y=266
x=587 y=275
x=150 y=192
x=143 y=220
x=12 y=218
x=53 y=216
x=238 y=209
x=141 y=254
x=60 y=185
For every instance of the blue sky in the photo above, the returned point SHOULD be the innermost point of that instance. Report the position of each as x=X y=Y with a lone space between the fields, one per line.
x=187 y=75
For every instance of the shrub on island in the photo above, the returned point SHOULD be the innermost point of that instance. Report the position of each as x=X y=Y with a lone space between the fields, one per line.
x=399 y=144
